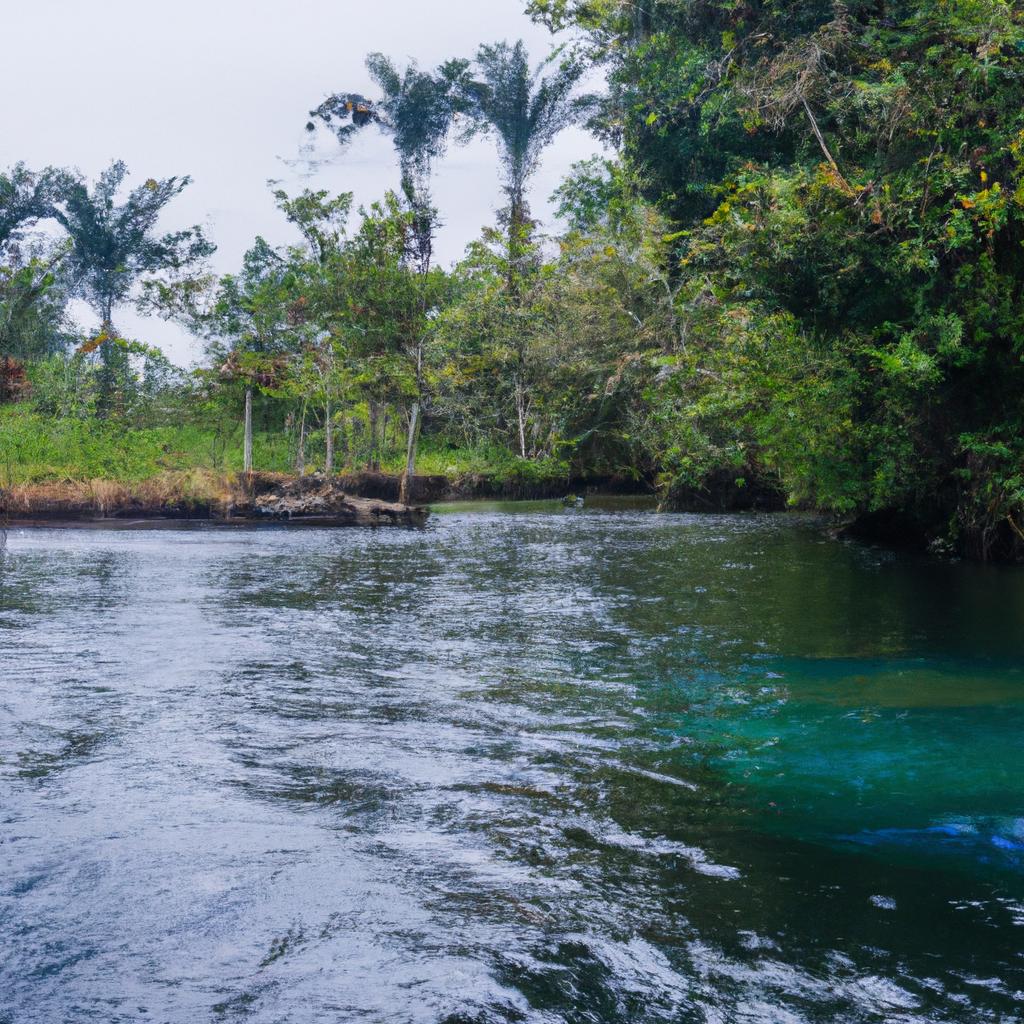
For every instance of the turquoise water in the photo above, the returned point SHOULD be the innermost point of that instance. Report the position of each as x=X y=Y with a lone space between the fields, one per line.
x=531 y=764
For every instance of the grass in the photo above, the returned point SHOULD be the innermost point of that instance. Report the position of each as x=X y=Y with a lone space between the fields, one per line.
x=37 y=449
x=186 y=457
x=190 y=489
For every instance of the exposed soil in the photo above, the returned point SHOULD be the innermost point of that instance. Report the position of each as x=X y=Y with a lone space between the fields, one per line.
x=258 y=498
x=360 y=499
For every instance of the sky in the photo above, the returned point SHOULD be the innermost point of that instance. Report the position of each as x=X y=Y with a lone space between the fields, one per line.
x=221 y=90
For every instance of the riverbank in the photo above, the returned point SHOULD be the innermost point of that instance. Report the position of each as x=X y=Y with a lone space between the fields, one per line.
x=40 y=449
x=202 y=495
x=364 y=497
x=206 y=497
x=77 y=470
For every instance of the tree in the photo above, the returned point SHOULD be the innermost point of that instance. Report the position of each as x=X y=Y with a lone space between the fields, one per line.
x=322 y=221
x=249 y=329
x=525 y=110
x=33 y=319
x=562 y=371
x=390 y=315
x=501 y=324
x=416 y=109
x=115 y=246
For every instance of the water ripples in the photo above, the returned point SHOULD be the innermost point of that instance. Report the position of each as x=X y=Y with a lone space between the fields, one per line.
x=505 y=770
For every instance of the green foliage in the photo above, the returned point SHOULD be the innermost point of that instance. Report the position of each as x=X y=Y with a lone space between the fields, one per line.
x=525 y=110
x=35 y=448
x=845 y=186
x=114 y=243
x=32 y=296
x=33 y=321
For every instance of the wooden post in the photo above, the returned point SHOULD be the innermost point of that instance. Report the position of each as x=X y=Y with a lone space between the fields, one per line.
x=329 y=440
x=247 y=450
x=405 y=491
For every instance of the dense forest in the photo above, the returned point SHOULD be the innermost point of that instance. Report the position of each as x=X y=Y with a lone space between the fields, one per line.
x=795 y=279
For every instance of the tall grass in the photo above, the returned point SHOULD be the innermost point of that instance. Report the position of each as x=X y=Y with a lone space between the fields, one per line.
x=37 y=449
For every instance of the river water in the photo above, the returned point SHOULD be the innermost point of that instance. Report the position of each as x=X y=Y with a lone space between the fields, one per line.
x=531 y=764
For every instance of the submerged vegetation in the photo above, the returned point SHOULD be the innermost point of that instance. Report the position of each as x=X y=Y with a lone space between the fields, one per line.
x=799 y=272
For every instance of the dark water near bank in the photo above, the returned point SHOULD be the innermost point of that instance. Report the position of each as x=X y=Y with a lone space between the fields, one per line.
x=544 y=766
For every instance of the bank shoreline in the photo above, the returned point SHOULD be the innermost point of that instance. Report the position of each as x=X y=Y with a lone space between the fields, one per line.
x=371 y=499
x=246 y=499
x=203 y=496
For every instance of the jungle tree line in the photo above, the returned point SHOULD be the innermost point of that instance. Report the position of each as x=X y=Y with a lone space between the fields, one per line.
x=801 y=270
x=798 y=271
x=352 y=318
x=842 y=188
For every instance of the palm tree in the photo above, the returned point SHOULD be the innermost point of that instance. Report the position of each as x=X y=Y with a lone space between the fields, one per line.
x=526 y=110
x=416 y=109
x=114 y=246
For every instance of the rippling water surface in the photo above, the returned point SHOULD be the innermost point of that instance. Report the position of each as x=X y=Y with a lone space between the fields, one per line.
x=528 y=765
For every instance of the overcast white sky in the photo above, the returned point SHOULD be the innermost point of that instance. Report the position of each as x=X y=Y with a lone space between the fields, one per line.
x=221 y=89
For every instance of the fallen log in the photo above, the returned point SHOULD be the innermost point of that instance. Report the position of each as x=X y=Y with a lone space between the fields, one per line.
x=318 y=501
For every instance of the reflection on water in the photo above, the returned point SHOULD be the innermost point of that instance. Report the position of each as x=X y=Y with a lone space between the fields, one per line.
x=536 y=765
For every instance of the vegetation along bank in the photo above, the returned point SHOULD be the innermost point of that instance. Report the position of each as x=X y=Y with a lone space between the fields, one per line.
x=795 y=280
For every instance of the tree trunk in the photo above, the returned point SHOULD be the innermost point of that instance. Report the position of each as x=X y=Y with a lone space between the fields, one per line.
x=247 y=448
x=824 y=146
x=521 y=417
x=328 y=440
x=373 y=461
x=405 y=492
x=516 y=239
x=108 y=364
x=300 y=451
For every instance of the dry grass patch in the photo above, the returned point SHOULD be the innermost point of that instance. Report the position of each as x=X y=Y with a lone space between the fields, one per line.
x=172 y=491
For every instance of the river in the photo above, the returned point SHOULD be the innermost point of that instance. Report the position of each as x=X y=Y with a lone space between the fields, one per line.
x=531 y=764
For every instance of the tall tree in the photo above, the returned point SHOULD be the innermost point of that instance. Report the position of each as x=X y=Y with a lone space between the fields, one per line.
x=525 y=110
x=33 y=317
x=116 y=245
x=415 y=108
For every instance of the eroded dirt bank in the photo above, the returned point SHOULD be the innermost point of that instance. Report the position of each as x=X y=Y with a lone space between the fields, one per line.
x=258 y=497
